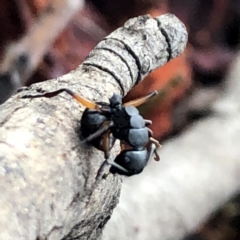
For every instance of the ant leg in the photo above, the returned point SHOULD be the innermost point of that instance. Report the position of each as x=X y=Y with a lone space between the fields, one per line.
x=99 y=132
x=156 y=142
x=106 y=148
x=150 y=131
x=157 y=145
x=112 y=163
x=122 y=147
x=147 y=122
x=141 y=100
x=85 y=102
x=116 y=165
x=151 y=150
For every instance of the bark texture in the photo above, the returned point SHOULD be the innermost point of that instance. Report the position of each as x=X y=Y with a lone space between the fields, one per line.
x=47 y=178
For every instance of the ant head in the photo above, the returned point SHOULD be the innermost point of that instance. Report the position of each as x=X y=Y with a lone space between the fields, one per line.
x=115 y=101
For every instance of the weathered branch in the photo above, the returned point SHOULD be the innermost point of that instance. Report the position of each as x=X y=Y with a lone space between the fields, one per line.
x=47 y=177
x=199 y=171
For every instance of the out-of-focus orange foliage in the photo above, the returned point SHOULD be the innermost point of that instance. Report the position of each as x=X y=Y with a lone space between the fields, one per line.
x=36 y=6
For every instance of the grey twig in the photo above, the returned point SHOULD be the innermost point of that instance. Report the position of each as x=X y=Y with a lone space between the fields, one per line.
x=46 y=175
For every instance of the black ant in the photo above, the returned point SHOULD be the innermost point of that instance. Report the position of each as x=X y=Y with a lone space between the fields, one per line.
x=103 y=123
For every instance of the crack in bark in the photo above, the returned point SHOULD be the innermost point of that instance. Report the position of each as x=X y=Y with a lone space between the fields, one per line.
x=134 y=56
x=123 y=59
x=104 y=69
x=9 y=116
x=168 y=41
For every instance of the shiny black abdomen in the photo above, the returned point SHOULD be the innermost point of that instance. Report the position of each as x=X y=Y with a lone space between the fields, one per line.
x=132 y=160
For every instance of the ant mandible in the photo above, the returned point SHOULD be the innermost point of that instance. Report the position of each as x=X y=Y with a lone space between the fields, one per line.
x=103 y=123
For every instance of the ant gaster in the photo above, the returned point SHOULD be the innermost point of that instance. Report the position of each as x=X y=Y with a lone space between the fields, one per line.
x=103 y=123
